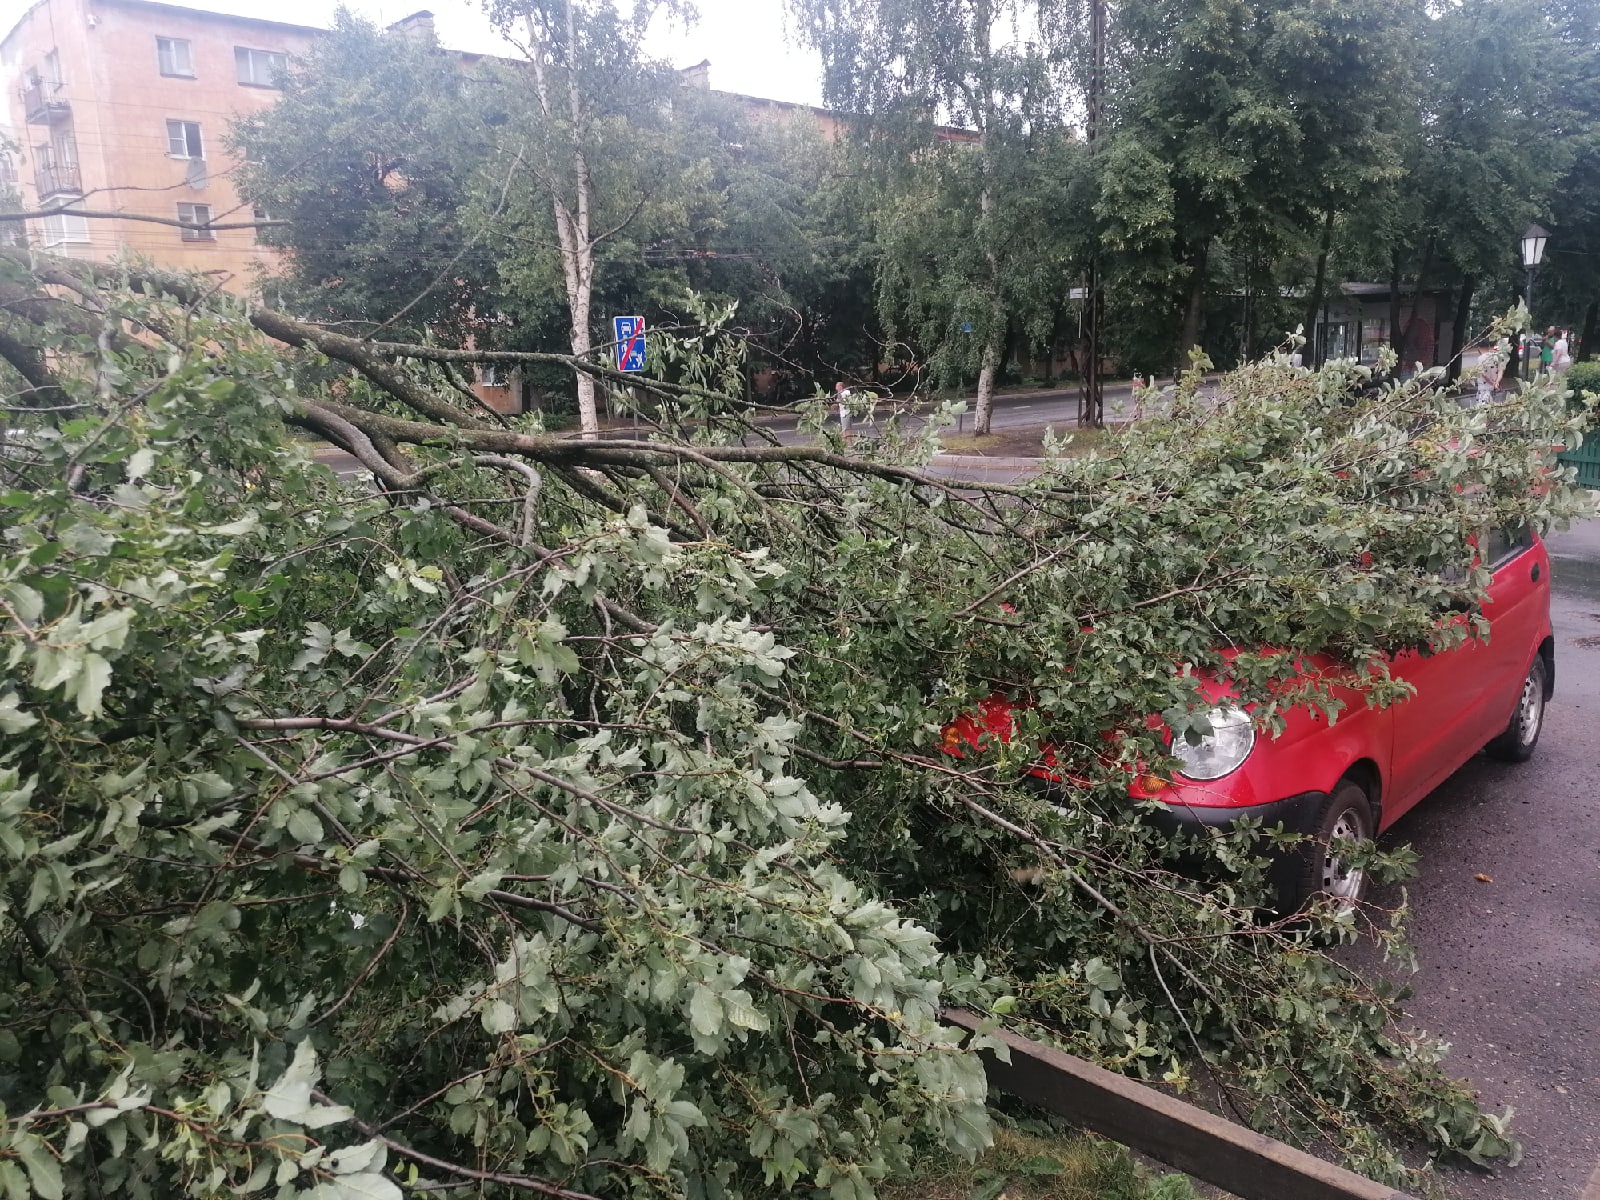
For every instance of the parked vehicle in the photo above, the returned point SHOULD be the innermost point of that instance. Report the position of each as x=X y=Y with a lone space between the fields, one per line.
x=1346 y=780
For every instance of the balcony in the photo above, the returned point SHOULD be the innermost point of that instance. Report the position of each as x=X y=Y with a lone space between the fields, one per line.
x=57 y=179
x=44 y=102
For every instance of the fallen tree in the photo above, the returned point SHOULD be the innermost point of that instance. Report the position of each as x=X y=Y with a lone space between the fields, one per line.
x=569 y=817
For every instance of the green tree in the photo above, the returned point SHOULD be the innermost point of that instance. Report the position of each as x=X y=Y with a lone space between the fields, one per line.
x=1570 y=281
x=369 y=155
x=902 y=66
x=1251 y=123
x=1489 y=155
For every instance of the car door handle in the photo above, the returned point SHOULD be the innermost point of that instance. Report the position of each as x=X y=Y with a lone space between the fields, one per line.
x=1534 y=574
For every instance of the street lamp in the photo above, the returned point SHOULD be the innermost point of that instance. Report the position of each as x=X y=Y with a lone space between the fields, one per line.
x=1534 y=238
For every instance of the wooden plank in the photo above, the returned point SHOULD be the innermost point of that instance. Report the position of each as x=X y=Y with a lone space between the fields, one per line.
x=1239 y=1160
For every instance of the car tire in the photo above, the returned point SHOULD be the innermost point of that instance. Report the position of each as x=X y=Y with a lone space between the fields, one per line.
x=1347 y=816
x=1517 y=743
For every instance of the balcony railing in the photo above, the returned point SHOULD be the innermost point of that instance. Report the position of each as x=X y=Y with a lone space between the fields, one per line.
x=58 y=179
x=44 y=102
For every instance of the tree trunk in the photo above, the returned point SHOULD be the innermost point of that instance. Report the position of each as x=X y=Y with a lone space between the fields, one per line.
x=1314 y=352
x=993 y=347
x=1458 y=330
x=1590 y=318
x=582 y=347
x=1191 y=314
x=1394 y=299
x=995 y=327
x=571 y=213
x=1416 y=301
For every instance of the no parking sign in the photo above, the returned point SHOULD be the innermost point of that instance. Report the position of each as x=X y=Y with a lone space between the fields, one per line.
x=629 y=337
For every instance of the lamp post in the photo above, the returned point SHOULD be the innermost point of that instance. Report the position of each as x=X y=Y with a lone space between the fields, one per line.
x=1534 y=238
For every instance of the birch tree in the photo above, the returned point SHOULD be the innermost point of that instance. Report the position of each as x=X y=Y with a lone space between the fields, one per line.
x=583 y=71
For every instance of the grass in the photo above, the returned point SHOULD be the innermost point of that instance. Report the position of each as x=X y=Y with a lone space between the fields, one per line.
x=1026 y=1167
x=1021 y=441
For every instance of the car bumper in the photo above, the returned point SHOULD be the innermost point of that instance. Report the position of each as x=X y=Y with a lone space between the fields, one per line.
x=1297 y=814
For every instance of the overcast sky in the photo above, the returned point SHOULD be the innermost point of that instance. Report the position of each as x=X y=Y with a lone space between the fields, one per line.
x=746 y=40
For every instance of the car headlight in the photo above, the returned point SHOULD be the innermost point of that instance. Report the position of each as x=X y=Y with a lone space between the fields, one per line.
x=1221 y=751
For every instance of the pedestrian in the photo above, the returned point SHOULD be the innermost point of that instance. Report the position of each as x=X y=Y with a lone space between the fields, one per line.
x=1561 y=357
x=841 y=394
x=1547 y=351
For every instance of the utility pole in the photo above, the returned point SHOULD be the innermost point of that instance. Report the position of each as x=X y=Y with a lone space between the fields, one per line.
x=1091 y=404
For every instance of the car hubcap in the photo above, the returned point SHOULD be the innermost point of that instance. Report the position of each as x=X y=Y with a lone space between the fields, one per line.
x=1531 y=711
x=1339 y=879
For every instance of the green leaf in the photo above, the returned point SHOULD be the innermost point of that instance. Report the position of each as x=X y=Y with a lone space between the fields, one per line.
x=93 y=677
x=705 y=1011
x=289 y=1099
x=12 y=718
x=304 y=827
x=13 y=1183
x=499 y=1017
x=44 y=1172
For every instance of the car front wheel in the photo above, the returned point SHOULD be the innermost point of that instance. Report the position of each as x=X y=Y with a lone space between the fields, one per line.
x=1323 y=866
x=1522 y=734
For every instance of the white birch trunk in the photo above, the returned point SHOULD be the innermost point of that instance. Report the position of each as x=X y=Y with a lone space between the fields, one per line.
x=987 y=373
x=572 y=214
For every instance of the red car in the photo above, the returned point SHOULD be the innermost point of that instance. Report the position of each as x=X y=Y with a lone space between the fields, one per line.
x=1350 y=779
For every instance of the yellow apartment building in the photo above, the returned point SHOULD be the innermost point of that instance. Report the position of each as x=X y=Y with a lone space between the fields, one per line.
x=123 y=106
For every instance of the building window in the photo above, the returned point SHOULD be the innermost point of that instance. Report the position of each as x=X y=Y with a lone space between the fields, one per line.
x=197 y=215
x=65 y=228
x=11 y=233
x=259 y=68
x=183 y=140
x=174 y=58
x=493 y=375
x=257 y=213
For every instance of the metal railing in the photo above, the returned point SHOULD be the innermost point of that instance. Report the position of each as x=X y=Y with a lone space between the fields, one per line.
x=44 y=101
x=56 y=179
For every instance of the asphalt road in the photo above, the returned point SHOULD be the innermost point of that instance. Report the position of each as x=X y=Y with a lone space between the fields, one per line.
x=1510 y=970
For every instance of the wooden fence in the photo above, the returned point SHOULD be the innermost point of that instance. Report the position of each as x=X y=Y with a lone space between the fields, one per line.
x=1198 y=1143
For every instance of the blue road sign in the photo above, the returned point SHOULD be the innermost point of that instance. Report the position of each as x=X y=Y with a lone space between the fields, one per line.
x=630 y=342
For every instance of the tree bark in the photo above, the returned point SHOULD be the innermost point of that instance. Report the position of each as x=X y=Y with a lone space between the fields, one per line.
x=983 y=412
x=1191 y=314
x=1316 y=352
x=1399 y=335
x=1394 y=299
x=1458 y=329
x=571 y=213
x=995 y=327
x=1590 y=318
